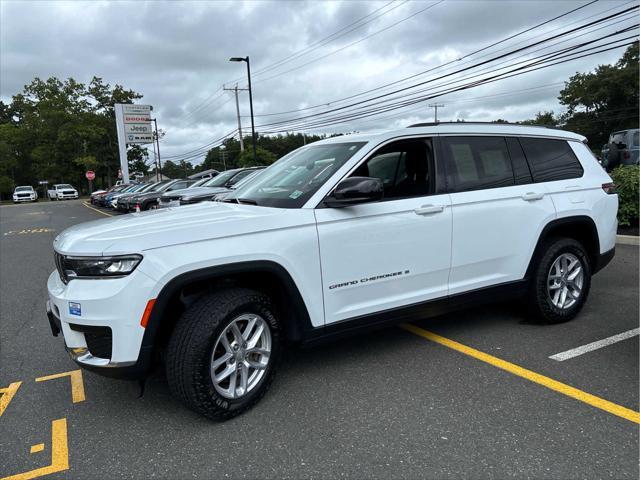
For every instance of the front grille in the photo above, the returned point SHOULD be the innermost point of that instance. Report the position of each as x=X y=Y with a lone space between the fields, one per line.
x=59 y=259
x=24 y=195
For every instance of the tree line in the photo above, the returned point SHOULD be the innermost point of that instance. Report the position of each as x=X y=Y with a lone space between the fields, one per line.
x=55 y=130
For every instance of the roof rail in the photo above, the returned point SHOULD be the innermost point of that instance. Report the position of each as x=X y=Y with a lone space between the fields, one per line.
x=433 y=124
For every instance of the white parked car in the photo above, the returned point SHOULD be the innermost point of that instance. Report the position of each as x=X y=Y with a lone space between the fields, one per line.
x=62 y=191
x=348 y=233
x=25 y=193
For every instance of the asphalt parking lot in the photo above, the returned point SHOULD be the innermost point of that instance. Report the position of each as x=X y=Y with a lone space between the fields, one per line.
x=467 y=395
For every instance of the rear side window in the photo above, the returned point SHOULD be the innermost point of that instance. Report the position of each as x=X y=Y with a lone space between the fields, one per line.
x=550 y=159
x=636 y=139
x=475 y=163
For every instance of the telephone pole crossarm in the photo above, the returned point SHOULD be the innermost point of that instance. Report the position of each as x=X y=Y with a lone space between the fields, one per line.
x=435 y=106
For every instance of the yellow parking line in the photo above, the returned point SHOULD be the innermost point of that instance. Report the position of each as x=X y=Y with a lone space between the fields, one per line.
x=77 y=386
x=59 y=454
x=96 y=210
x=7 y=394
x=37 y=448
x=514 y=369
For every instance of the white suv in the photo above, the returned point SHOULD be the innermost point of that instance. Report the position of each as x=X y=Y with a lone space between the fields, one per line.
x=347 y=233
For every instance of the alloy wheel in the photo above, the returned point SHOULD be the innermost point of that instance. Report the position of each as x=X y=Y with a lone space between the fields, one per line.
x=240 y=356
x=565 y=280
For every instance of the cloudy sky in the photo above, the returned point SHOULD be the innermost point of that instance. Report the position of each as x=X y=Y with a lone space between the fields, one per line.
x=303 y=54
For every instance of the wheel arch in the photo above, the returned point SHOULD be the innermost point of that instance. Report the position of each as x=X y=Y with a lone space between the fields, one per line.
x=580 y=227
x=266 y=276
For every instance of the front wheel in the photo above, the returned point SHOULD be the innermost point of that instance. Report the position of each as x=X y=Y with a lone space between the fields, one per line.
x=561 y=281
x=222 y=355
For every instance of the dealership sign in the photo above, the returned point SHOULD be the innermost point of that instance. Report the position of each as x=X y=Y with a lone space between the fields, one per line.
x=136 y=121
x=133 y=124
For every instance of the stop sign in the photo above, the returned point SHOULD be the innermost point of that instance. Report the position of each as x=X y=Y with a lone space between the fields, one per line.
x=90 y=175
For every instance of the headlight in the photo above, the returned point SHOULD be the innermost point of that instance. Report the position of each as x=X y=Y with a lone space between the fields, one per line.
x=79 y=267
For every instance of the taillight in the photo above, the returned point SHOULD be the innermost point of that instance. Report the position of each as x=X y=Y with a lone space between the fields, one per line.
x=609 y=188
x=626 y=155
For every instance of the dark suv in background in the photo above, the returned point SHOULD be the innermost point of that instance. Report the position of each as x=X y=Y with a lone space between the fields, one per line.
x=149 y=200
x=222 y=183
x=623 y=149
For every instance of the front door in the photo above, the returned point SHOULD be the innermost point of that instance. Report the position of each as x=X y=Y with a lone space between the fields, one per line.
x=391 y=253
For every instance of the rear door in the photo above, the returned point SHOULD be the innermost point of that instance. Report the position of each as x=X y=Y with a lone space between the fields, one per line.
x=497 y=212
x=383 y=255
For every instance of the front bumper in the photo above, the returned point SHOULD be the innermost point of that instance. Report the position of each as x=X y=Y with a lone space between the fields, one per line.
x=24 y=199
x=102 y=305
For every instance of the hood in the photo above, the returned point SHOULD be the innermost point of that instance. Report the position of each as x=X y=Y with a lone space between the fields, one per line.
x=137 y=232
x=194 y=192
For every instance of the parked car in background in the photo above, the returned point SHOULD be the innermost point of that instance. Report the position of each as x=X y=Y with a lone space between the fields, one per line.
x=146 y=201
x=98 y=198
x=122 y=201
x=218 y=184
x=25 y=193
x=114 y=199
x=62 y=191
x=108 y=198
x=218 y=197
x=623 y=149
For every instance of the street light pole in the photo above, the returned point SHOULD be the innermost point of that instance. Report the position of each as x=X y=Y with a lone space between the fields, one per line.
x=253 y=129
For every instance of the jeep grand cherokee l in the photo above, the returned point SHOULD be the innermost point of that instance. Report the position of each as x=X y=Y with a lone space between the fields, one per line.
x=347 y=233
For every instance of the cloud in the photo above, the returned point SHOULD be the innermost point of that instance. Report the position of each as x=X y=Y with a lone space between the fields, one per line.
x=176 y=55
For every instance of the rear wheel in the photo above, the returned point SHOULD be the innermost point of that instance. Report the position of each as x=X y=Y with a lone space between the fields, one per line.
x=222 y=355
x=561 y=281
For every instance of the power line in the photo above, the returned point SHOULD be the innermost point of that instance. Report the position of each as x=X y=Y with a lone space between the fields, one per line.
x=455 y=72
x=324 y=104
x=350 y=44
x=503 y=75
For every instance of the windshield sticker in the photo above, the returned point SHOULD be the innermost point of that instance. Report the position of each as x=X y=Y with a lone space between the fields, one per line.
x=295 y=194
x=369 y=279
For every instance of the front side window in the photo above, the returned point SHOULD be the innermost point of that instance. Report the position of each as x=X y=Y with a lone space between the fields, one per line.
x=550 y=159
x=476 y=163
x=403 y=166
x=293 y=179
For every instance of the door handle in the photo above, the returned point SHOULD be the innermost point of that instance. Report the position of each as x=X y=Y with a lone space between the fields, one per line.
x=427 y=209
x=530 y=196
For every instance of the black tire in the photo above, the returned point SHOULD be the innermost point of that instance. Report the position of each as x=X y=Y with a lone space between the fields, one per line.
x=191 y=345
x=540 y=305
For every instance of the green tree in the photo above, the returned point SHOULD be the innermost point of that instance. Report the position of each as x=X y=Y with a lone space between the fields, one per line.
x=263 y=157
x=605 y=100
x=542 y=118
x=52 y=123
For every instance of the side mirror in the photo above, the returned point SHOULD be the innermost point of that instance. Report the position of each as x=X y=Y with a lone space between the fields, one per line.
x=354 y=190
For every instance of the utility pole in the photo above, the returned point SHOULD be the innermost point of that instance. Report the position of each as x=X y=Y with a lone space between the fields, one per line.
x=435 y=107
x=155 y=122
x=236 y=89
x=155 y=161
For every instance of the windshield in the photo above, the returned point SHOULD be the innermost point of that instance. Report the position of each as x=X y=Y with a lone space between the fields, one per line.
x=64 y=185
x=24 y=189
x=147 y=187
x=221 y=179
x=293 y=179
x=245 y=180
x=200 y=182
